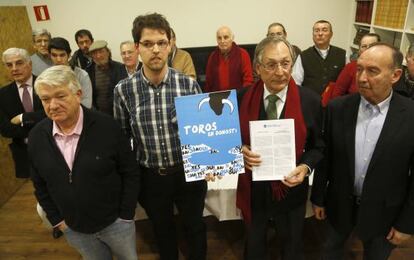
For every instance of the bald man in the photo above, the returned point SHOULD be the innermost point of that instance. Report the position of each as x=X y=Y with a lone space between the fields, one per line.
x=228 y=66
x=365 y=182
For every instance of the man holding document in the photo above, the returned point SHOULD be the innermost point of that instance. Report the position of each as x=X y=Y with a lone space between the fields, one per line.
x=276 y=96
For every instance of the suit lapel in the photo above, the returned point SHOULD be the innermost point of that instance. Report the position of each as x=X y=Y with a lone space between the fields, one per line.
x=393 y=120
x=350 y=120
x=14 y=92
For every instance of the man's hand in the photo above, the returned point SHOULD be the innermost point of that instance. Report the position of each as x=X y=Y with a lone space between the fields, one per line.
x=16 y=120
x=396 y=237
x=320 y=213
x=250 y=158
x=62 y=226
x=296 y=176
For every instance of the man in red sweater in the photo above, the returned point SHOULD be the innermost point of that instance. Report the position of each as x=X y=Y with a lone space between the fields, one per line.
x=228 y=66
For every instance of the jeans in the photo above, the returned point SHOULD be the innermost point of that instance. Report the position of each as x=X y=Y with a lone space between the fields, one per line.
x=117 y=239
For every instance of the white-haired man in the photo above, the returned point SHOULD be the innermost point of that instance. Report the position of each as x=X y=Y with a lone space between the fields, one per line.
x=41 y=59
x=85 y=176
x=20 y=107
x=228 y=66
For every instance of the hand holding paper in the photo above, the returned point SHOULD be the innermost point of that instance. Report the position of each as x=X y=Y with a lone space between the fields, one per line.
x=250 y=158
x=296 y=176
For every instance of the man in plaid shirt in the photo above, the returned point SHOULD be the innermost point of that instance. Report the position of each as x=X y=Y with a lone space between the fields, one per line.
x=144 y=105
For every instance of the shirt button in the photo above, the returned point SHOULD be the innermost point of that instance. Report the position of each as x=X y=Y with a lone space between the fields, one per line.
x=165 y=158
x=365 y=159
x=362 y=176
x=162 y=143
x=159 y=110
x=160 y=127
x=158 y=94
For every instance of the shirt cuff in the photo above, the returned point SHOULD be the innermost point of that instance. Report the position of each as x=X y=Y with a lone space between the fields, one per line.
x=21 y=119
x=58 y=224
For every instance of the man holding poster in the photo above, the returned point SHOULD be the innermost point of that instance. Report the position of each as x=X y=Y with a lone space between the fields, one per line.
x=144 y=105
x=276 y=96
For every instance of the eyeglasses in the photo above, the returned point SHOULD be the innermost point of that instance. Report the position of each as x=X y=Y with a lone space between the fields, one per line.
x=42 y=41
x=127 y=53
x=272 y=66
x=150 y=45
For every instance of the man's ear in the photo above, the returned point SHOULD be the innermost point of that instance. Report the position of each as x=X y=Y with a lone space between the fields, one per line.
x=396 y=75
x=257 y=68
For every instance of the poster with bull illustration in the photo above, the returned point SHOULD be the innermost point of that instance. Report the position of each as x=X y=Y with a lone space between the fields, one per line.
x=209 y=130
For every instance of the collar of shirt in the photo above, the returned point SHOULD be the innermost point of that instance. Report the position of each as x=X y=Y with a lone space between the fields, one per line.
x=28 y=82
x=381 y=107
x=280 y=102
x=76 y=131
x=165 y=80
x=323 y=53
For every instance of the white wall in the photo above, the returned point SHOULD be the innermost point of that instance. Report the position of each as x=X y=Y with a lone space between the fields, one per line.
x=195 y=21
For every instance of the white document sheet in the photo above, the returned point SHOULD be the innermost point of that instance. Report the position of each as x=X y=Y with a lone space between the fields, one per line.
x=274 y=140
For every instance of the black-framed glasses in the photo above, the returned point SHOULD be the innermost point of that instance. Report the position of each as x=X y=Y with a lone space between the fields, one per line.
x=162 y=44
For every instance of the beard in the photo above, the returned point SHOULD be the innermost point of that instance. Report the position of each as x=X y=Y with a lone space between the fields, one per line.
x=156 y=64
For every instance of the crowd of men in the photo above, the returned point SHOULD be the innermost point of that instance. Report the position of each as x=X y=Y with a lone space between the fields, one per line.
x=97 y=135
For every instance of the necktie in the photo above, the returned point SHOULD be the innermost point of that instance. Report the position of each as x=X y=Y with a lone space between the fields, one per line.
x=26 y=99
x=271 y=110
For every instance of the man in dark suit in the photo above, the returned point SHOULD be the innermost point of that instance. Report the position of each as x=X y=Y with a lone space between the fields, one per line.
x=84 y=173
x=365 y=182
x=276 y=96
x=20 y=107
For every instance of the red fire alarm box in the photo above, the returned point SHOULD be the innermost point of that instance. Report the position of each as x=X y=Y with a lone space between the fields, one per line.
x=41 y=12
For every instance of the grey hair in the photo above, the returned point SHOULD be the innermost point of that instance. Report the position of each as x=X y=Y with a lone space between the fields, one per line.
x=39 y=32
x=16 y=52
x=58 y=76
x=275 y=40
x=126 y=42
x=227 y=28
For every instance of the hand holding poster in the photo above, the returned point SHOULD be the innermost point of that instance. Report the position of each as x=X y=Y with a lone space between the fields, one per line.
x=209 y=130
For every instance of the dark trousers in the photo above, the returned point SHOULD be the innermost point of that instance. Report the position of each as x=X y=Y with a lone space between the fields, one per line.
x=158 y=195
x=288 y=225
x=376 y=248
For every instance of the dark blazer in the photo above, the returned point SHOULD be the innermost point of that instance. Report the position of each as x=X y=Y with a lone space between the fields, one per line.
x=312 y=113
x=387 y=198
x=103 y=184
x=10 y=106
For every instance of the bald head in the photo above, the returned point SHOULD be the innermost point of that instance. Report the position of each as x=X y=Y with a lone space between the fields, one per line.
x=378 y=68
x=225 y=39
